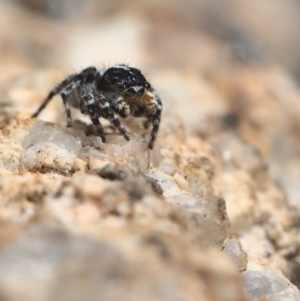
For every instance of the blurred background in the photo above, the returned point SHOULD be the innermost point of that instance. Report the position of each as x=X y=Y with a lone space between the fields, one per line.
x=219 y=66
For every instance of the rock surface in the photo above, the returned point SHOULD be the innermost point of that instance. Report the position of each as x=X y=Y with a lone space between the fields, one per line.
x=211 y=213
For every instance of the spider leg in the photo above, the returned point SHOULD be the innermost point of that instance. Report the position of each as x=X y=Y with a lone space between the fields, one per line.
x=87 y=75
x=155 y=119
x=65 y=96
x=122 y=108
x=108 y=113
x=91 y=110
x=53 y=92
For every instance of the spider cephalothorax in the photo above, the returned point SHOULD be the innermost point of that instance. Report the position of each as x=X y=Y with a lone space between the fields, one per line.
x=124 y=80
x=119 y=90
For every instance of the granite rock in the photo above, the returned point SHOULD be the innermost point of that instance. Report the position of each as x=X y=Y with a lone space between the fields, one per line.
x=211 y=213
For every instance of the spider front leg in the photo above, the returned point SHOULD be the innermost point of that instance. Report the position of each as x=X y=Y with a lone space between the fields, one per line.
x=108 y=113
x=89 y=107
x=155 y=120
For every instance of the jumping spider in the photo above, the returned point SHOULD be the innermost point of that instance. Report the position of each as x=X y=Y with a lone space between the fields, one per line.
x=119 y=90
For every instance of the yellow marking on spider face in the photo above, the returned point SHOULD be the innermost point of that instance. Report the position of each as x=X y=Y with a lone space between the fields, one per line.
x=147 y=102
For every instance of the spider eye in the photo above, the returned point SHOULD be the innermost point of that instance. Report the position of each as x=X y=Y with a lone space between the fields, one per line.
x=141 y=92
x=130 y=92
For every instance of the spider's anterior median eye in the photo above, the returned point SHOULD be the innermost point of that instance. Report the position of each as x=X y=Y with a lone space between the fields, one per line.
x=130 y=92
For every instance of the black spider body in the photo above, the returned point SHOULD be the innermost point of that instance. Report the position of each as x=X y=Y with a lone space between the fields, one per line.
x=117 y=91
x=121 y=78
